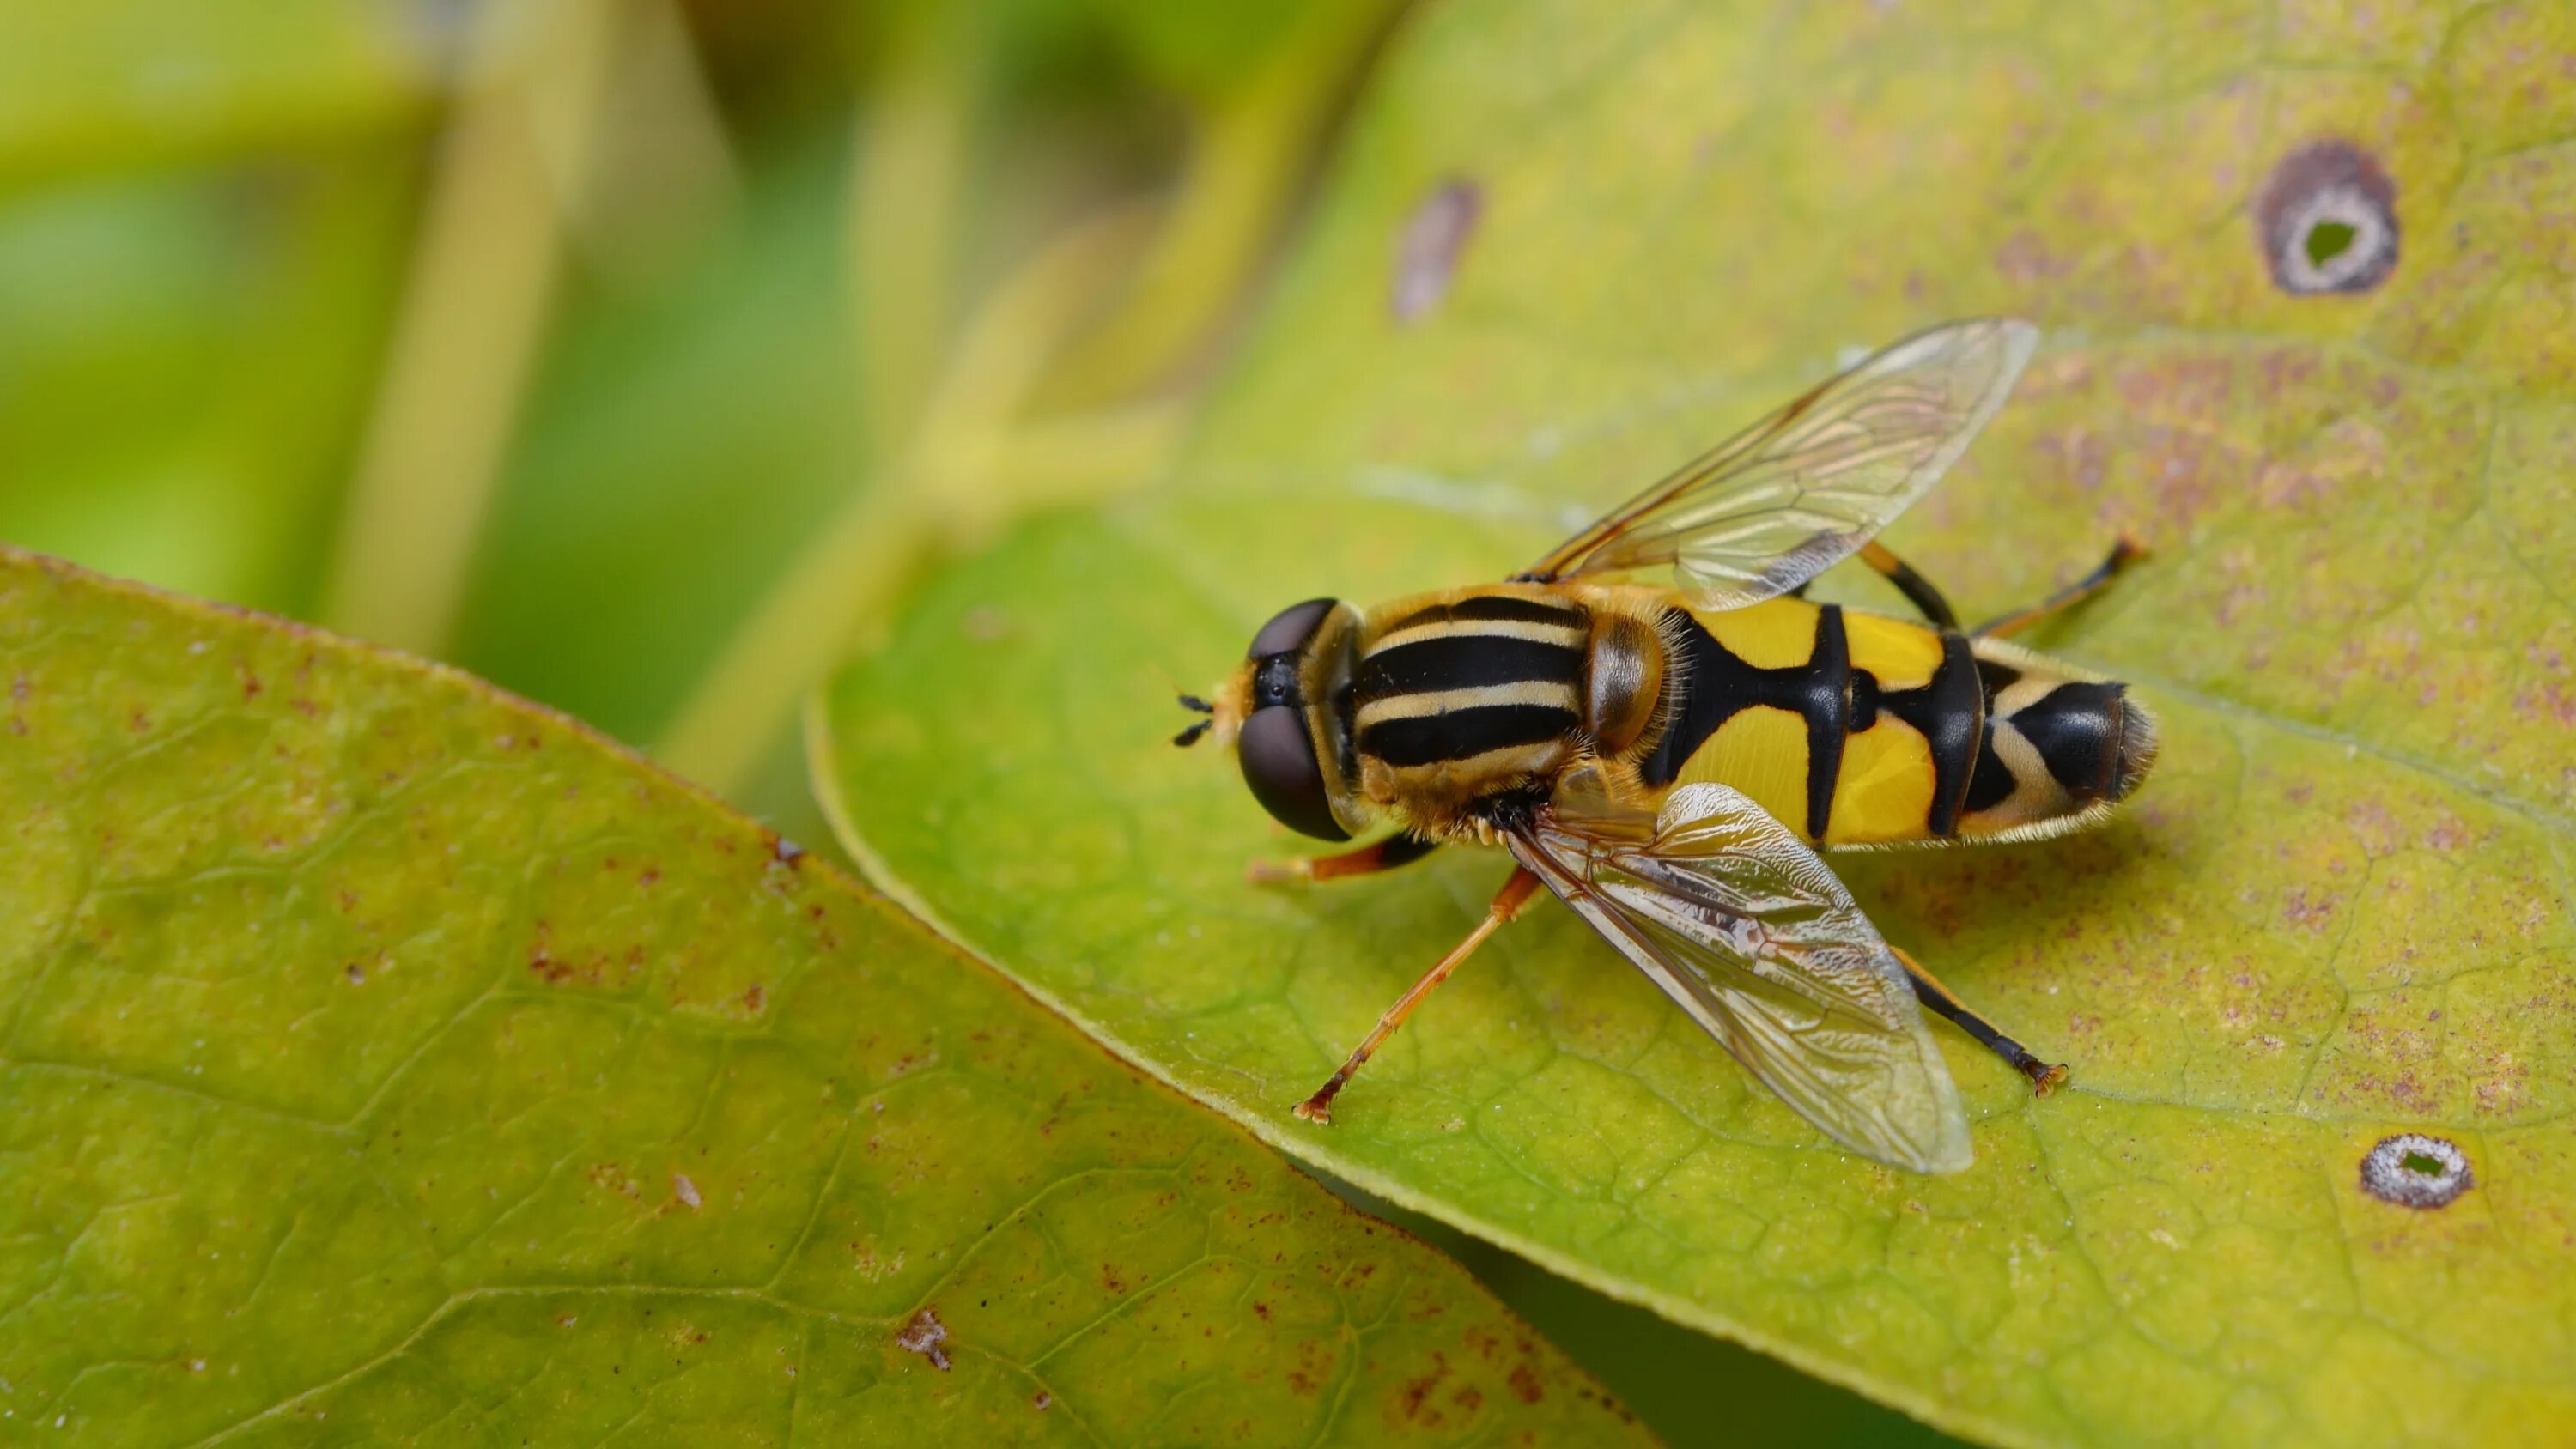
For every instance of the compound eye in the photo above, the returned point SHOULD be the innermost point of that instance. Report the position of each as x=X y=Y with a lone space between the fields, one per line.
x=1279 y=764
x=1289 y=629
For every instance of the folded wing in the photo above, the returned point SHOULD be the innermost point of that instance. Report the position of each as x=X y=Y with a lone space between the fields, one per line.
x=1745 y=929
x=1804 y=488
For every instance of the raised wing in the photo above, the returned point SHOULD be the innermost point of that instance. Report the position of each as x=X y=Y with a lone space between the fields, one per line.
x=1745 y=929
x=1804 y=488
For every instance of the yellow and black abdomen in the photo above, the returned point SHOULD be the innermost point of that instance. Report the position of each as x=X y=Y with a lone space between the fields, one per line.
x=1855 y=729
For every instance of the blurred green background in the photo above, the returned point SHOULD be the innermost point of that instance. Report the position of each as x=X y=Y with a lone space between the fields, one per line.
x=635 y=353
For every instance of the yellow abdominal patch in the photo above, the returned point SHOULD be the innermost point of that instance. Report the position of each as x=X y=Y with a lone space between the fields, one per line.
x=1774 y=634
x=1763 y=752
x=1884 y=792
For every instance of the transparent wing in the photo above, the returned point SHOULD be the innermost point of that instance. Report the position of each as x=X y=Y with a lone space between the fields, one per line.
x=1745 y=929
x=1804 y=488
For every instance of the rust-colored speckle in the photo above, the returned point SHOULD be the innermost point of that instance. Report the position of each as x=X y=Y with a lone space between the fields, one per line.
x=2308 y=913
x=613 y=1178
x=1525 y=1384
x=756 y=1000
x=2025 y=259
x=542 y=963
x=1415 y=1403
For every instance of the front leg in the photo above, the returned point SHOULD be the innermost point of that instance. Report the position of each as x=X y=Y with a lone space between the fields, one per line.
x=1401 y=848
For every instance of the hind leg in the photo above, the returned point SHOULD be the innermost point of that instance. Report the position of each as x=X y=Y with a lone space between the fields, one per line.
x=1917 y=589
x=2123 y=553
x=1928 y=989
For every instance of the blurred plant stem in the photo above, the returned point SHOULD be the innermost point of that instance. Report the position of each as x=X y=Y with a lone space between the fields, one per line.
x=518 y=170
x=906 y=198
x=1047 y=396
x=800 y=628
x=1249 y=150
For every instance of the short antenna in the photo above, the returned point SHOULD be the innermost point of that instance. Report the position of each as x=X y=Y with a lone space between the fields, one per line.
x=1190 y=736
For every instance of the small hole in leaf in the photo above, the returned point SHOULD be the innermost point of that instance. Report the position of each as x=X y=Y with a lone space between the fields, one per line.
x=2328 y=240
x=2327 y=220
x=2414 y=1170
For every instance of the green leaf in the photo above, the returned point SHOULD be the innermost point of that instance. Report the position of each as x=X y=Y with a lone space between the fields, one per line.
x=2341 y=910
x=388 y=1059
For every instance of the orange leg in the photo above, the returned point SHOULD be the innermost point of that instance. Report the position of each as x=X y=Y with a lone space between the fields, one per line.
x=1397 y=849
x=1928 y=989
x=1508 y=901
x=2123 y=553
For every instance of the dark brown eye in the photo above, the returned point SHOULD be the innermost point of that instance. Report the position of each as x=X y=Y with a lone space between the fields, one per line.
x=1289 y=629
x=1279 y=764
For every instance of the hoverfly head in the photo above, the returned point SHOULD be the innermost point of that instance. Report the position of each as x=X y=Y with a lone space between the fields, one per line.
x=1277 y=710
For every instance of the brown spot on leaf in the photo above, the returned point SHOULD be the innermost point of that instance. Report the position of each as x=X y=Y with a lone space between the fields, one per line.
x=546 y=968
x=2327 y=220
x=1525 y=1384
x=1415 y=1403
x=924 y=1334
x=1434 y=239
x=613 y=1178
x=2308 y=913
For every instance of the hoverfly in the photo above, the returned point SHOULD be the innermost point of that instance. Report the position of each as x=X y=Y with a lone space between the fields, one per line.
x=1667 y=758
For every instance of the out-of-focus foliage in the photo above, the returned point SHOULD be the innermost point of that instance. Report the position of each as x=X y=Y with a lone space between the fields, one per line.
x=184 y=352
x=113 y=83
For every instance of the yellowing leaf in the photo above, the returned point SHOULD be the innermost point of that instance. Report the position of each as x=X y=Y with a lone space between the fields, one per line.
x=388 y=1061
x=1567 y=249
